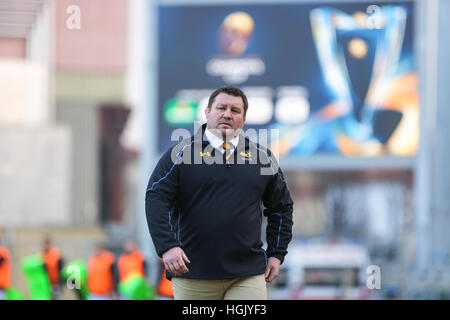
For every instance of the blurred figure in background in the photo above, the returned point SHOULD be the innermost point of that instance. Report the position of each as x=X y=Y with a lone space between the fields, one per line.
x=102 y=274
x=54 y=263
x=164 y=287
x=5 y=271
x=131 y=263
x=131 y=260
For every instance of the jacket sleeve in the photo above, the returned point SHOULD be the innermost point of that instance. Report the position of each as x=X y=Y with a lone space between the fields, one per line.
x=278 y=210
x=160 y=198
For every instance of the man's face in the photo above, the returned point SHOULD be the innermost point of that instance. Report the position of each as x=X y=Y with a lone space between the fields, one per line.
x=226 y=116
x=47 y=245
x=129 y=246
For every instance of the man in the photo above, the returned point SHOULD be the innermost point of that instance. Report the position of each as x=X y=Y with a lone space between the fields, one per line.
x=53 y=265
x=131 y=260
x=102 y=274
x=204 y=207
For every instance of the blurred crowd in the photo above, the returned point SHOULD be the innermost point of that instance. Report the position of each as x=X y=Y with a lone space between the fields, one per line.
x=102 y=277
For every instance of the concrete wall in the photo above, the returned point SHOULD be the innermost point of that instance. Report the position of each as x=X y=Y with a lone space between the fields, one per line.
x=12 y=48
x=99 y=43
x=81 y=118
x=35 y=176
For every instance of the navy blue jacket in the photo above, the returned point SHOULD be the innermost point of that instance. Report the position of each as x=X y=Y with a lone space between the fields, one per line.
x=212 y=207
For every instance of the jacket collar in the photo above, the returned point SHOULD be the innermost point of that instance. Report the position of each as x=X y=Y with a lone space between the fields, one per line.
x=217 y=142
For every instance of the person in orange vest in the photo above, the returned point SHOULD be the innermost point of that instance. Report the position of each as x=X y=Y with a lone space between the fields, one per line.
x=54 y=263
x=5 y=271
x=131 y=260
x=164 y=287
x=102 y=274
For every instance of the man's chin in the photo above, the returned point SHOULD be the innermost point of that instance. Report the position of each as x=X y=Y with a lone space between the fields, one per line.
x=225 y=132
x=229 y=133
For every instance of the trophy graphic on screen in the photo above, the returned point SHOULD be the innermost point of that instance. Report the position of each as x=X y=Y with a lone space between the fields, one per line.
x=358 y=55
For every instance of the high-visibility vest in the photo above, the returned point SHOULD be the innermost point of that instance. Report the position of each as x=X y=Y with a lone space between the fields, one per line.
x=135 y=287
x=5 y=268
x=100 y=277
x=37 y=277
x=51 y=258
x=165 y=286
x=131 y=263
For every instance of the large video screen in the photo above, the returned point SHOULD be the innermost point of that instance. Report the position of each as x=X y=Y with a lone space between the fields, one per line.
x=328 y=78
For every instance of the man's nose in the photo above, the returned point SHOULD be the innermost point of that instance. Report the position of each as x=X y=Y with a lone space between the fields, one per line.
x=227 y=113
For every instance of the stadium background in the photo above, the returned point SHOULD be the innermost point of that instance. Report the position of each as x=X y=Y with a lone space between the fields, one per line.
x=86 y=110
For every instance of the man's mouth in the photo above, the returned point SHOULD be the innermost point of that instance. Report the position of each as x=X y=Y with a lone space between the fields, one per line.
x=226 y=124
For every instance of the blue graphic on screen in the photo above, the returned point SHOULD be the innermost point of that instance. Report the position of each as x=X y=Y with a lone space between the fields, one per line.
x=335 y=78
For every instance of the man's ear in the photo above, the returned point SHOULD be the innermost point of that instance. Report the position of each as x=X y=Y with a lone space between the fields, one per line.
x=207 y=111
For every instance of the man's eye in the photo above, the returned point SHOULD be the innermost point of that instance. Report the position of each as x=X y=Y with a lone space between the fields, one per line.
x=235 y=111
